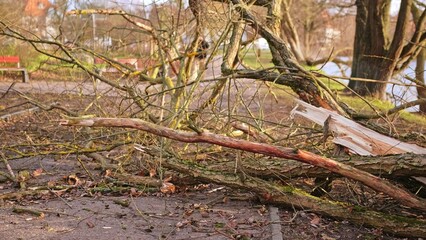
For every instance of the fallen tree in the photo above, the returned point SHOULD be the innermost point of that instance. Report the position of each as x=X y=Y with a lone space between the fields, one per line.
x=390 y=167
x=177 y=114
x=288 y=196
x=302 y=198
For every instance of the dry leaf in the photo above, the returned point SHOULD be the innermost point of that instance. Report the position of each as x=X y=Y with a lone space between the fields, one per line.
x=262 y=210
x=189 y=212
x=204 y=214
x=108 y=173
x=73 y=180
x=201 y=156
x=236 y=133
x=315 y=220
x=168 y=188
x=134 y=192
x=51 y=183
x=37 y=172
x=182 y=223
x=152 y=172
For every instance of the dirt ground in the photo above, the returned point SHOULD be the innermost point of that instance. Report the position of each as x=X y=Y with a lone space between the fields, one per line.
x=84 y=210
x=201 y=211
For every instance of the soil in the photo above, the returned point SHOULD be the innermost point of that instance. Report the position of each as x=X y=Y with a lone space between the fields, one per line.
x=72 y=198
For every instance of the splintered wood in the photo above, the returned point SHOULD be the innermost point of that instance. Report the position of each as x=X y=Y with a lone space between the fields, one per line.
x=357 y=138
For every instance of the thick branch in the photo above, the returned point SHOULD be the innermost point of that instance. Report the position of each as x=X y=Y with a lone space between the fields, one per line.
x=393 y=166
x=291 y=32
x=410 y=51
x=294 y=197
x=372 y=181
x=310 y=89
x=400 y=30
x=231 y=55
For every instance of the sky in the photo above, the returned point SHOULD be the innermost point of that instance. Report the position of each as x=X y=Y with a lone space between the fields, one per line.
x=395 y=6
x=394 y=3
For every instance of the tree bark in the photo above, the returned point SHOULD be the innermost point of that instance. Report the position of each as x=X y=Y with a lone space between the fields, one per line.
x=390 y=167
x=375 y=57
x=420 y=76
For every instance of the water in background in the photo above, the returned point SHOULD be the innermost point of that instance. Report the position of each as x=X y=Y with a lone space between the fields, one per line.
x=397 y=94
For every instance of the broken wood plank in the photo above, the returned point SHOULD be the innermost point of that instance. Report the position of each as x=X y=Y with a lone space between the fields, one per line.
x=357 y=138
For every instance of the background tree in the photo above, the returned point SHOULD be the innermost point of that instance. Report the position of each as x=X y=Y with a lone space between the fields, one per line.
x=317 y=30
x=9 y=11
x=420 y=79
x=378 y=56
x=420 y=64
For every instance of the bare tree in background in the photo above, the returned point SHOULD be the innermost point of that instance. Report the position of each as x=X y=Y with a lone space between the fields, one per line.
x=420 y=62
x=378 y=55
x=317 y=30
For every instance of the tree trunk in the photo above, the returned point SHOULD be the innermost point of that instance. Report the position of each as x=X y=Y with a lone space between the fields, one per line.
x=374 y=56
x=390 y=167
x=420 y=76
x=270 y=192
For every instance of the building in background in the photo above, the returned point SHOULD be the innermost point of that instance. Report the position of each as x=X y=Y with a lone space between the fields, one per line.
x=35 y=15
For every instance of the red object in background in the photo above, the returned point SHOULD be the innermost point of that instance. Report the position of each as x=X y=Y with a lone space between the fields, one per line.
x=9 y=59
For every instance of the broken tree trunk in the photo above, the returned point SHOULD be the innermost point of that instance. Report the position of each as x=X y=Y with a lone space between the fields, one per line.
x=390 y=167
x=357 y=138
x=376 y=183
x=293 y=197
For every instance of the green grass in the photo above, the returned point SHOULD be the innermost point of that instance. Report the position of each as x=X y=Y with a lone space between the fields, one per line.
x=360 y=106
x=251 y=59
x=34 y=63
x=333 y=85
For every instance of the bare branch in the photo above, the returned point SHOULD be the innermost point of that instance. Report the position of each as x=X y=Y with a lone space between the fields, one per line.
x=413 y=47
x=400 y=30
x=111 y=12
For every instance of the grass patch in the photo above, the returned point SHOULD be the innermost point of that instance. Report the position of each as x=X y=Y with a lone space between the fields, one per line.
x=335 y=85
x=360 y=106
x=257 y=62
x=332 y=84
